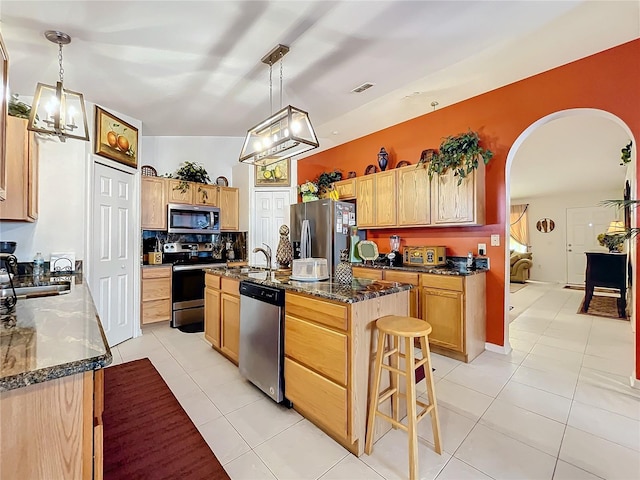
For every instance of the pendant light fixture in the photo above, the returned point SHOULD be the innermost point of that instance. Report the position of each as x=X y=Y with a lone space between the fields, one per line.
x=285 y=133
x=56 y=110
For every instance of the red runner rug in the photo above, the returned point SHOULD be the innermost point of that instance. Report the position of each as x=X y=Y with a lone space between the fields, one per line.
x=147 y=434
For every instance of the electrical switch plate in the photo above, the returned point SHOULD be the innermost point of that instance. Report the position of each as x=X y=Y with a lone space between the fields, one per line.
x=482 y=249
x=495 y=240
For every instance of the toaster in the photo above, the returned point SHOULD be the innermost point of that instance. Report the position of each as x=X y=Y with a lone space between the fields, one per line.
x=424 y=256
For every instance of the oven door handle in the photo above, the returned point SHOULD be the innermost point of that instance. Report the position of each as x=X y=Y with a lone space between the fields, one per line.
x=202 y=266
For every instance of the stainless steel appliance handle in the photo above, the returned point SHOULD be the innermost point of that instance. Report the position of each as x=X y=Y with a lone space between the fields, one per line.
x=201 y=266
x=305 y=240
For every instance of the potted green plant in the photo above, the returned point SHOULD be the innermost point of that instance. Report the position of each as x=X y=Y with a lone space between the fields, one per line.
x=19 y=109
x=325 y=181
x=190 y=172
x=460 y=153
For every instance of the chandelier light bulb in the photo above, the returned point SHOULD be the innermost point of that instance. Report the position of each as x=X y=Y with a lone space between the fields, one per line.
x=257 y=146
x=295 y=127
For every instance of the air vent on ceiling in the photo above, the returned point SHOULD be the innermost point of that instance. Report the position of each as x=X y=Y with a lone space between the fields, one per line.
x=363 y=87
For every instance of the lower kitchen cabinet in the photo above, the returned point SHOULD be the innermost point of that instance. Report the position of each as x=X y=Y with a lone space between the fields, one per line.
x=414 y=293
x=156 y=294
x=53 y=429
x=454 y=306
x=370 y=273
x=222 y=315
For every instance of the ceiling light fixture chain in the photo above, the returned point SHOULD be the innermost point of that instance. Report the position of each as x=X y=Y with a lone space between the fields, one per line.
x=270 y=88
x=281 y=61
x=60 y=62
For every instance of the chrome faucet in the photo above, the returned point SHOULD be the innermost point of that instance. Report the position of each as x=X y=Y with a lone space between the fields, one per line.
x=267 y=254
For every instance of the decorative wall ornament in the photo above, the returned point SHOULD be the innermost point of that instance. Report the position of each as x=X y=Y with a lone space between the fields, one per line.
x=545 y=225
x=116 y=139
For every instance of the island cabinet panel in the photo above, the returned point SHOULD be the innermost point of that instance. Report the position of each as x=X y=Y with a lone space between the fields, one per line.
x=385 y=198
x=212 y=315
x=458 y=204
x=414 y=196
x=370 y=273
x=414 y=293
x=230 y=326
x=346 y=188
x=365 y=206
x=323 y=349
x=228 y=201
x=181 y=192
x=53 y=429
x=205 y=195
x=153 y=203
x=320 y=311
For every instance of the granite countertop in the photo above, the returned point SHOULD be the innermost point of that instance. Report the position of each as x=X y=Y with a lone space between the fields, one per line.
x=359 y=290
x=51 y=337
x=442 y=270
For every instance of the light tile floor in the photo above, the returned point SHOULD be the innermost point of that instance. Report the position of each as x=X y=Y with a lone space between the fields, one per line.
x=559 y=406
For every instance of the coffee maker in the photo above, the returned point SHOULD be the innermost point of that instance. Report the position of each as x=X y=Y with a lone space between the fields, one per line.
x=394 y=257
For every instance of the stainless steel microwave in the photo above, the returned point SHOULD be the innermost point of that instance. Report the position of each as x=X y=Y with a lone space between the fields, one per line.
x=197 y=219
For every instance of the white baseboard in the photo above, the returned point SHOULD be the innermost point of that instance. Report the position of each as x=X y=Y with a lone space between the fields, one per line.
x=634 y=382
x=502 y=349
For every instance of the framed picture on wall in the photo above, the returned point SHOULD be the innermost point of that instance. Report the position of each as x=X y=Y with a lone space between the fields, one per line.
x=116 y=139
x=275 y=175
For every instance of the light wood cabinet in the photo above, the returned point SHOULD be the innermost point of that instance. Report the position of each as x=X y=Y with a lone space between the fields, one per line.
x=205 y=194
x=414 y=199
x=181 y=192
x=414 y=293
x=156 y=294
x=455 y=307
x=347 y=189
x=365 y=205
x=228 y=201
x=21 y=163
x=222 y=315
x=363 y=272
x=454 y=204
x=53 y=429
x=385 y=198
x=153 y=200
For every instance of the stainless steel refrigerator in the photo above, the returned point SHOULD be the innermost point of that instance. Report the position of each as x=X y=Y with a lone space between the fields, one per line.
x=328 y=224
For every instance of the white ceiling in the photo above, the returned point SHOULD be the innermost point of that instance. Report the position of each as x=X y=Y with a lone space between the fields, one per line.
x=193 y=68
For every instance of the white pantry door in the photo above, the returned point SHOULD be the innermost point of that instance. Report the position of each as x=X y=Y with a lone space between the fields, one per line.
x=583 y=226
x=113 y=252
x=271 y=210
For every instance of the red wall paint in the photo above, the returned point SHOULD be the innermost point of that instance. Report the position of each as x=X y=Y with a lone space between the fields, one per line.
x=607 y=81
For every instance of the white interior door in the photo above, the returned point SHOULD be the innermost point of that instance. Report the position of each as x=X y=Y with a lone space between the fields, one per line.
x=113 y=250
x=271 y=209
x=584 y=224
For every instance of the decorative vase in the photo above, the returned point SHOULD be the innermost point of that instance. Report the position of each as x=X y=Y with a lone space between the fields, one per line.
x=344 y=271
x=383 y=159
x=309 y=197
x=284 y=252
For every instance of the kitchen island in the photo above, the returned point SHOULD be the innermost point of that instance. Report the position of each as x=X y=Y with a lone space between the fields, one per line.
x=52 y=351
x=330 y=342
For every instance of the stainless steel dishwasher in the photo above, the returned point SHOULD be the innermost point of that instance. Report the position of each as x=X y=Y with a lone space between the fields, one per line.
x=262 y=338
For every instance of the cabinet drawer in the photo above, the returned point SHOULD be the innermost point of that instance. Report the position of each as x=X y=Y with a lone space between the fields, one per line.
x=156 y=289
x=446 y=282
x=156 y=272
x=211 y=280
x=156 y=311
x=318 y=347
x=359 y=272
x=317 y=396
x=326 y=313
x=230 y=286
x=402 y=277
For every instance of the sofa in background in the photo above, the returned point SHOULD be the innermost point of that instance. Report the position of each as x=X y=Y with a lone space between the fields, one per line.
x=520 y=265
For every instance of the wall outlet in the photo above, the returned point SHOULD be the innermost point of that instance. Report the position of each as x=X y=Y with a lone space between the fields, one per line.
x=482 y=249
x=495 y=240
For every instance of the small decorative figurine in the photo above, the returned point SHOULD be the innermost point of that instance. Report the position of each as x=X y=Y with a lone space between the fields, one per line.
x=383 y=159
x=344 y=271
x=284 y=253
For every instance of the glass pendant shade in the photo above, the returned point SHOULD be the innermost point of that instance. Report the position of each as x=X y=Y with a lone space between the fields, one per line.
x=58 y=111
x=284 y=134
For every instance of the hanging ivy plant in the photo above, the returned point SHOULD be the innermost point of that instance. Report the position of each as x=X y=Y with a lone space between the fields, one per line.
x=461 y=153
x=19 y=109
x=192 y=172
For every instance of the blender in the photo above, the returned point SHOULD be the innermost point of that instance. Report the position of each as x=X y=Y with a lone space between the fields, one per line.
x=394 y=257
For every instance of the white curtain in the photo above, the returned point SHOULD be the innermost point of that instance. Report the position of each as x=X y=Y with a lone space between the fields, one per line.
x=518 y=219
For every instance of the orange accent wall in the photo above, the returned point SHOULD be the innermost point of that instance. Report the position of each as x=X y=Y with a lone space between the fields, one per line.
x=607 y=81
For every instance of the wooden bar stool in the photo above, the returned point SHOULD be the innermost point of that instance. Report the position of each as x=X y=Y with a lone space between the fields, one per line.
x=408 y=328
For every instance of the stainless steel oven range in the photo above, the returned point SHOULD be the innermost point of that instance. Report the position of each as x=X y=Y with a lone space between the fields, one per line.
x=187 y=285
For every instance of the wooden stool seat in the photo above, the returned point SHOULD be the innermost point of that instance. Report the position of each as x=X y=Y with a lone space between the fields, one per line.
x=394 y=328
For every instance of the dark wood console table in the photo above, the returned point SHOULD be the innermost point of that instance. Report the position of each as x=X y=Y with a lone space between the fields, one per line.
x=606 y=270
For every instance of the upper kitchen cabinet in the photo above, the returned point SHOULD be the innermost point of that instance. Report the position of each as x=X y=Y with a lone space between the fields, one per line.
x=376 y=200
x=365 y=205
x=346 y=188
x=205 y=194
x=454 y=204
x=21 y=202
x=181 y=192
x=153 y=193
x=414 y=199
x=228 y=201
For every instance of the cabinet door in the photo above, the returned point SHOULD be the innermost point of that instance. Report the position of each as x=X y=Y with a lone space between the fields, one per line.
x=230 y=331
x=212 y=316
x=414 y=201
x=346 y=188
x=457 y=204
x=33 y=157
x=373 y=274
x=181 y=192
x=153 y=199
x=385 y=198
x=365 y=208
x=443 y=309
x=228 y=199
x=205 y=194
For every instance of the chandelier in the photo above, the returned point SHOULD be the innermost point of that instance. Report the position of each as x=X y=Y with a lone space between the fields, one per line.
x=285 y=133
x=56 y=110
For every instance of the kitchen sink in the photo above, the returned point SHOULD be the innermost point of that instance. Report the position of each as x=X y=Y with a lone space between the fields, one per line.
x=39 y=290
